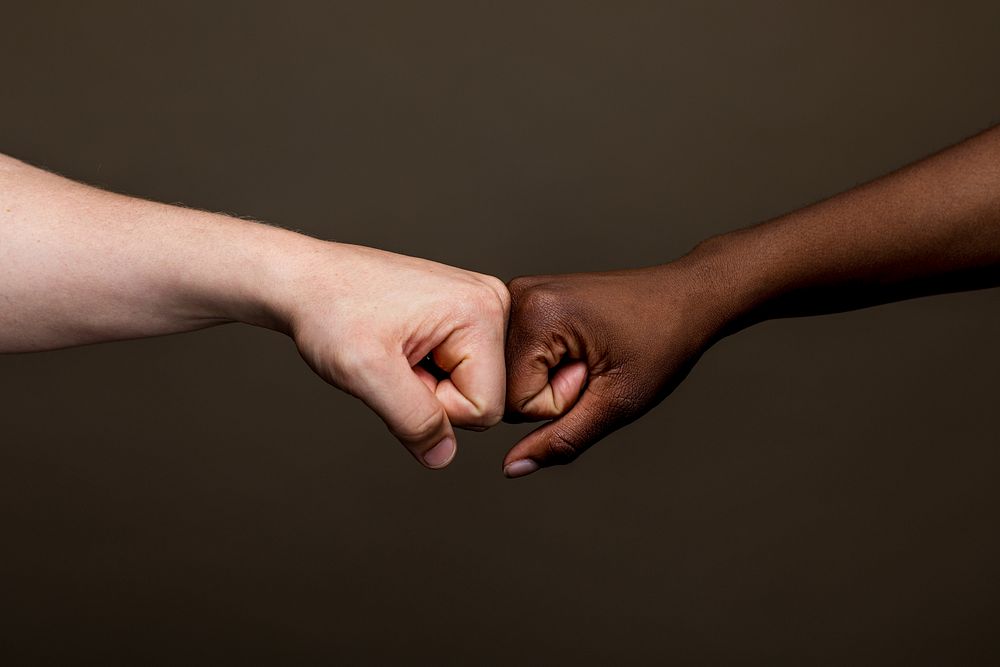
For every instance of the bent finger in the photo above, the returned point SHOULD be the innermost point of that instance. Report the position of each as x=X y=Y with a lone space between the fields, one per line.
x=561 y=441
x=407 y=405
x=473 y=393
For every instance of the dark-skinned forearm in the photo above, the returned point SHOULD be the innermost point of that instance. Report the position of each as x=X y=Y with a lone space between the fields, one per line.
x=929 y=228
x=595 y=351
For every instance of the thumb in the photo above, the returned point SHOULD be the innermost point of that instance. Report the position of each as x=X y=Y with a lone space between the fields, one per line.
x=536 y=392
x=563 y=440
x=410 y=409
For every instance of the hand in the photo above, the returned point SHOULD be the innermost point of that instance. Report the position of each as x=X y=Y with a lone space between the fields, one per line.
x=595 y=351
x=364 y=319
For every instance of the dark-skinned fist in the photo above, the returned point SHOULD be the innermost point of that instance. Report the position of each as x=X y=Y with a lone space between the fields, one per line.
x=595 y=351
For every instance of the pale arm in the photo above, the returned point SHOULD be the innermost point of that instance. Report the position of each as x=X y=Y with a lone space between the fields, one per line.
x=80 y=265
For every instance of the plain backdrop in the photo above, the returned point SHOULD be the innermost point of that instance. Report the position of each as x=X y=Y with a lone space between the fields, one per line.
x=819 y=491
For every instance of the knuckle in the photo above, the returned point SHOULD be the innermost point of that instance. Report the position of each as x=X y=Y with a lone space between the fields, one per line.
x=493 y=416
x=492 y=307
x=519 y=285
x=483 y=302
x=537 y=301
x=418 y=427
x=562 y=448
x=499 y=288
x=483 y=417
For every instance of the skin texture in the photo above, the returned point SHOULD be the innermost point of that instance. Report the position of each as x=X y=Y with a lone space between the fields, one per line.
x=630 y=336
x=593 y=352
x=79 y=265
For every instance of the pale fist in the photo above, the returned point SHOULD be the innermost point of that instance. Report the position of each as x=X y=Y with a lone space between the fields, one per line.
x=364 y=319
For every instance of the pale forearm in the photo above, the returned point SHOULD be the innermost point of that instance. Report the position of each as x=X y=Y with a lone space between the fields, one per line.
x=80 y=265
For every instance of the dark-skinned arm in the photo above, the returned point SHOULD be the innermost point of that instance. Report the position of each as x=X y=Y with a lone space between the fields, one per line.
x=595 y=351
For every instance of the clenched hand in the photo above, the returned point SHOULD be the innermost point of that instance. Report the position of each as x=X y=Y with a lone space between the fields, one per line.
x=629 y=337
x=80 y=265
x=364 y=319
x=595 y=351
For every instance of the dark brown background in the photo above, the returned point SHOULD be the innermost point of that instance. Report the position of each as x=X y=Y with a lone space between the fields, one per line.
x=819 y=491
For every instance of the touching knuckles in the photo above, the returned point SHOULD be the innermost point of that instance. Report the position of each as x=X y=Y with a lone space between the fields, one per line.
x=503 y=350
x=499 y=289
x=517 y=339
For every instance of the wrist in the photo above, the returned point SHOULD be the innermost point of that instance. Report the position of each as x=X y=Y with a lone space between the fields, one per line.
x=732 y=274
x=293 y=276
x=258 y=270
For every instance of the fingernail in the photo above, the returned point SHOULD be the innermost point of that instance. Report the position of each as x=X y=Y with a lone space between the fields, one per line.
x=520 y=468
x=440 y=454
